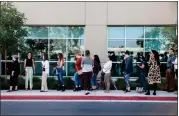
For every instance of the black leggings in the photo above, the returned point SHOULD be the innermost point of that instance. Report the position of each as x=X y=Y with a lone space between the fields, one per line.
x=153 y=86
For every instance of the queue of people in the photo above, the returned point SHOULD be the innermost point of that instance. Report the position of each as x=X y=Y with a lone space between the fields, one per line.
x=87 y=69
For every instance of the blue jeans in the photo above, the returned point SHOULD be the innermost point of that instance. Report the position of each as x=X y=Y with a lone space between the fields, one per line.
x=93 y=79
x=60 y=76
x=142 y=80
x=126 y=78
x=77 y=79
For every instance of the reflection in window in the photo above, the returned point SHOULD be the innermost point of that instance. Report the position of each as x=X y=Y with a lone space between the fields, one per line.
x=134 y=43
x=37 y=32
x=116 y=32
x=36 y=46
x=135 y=32
x=73 y=46
x=153 y=44
x=116 y=43
x=71 y=68
x=153 y=32
x=75 y=32
x=59 y=46
x=135 y=46
x=57 y=32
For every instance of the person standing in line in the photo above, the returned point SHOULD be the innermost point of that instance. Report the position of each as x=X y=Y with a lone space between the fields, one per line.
x=60 y=70
x=142 y=74
x=87 y=69
x=29 y=66
x=15 y=67
x=176 y=65
x=170 y=74
x=96 y=69
x=154 y=75
x=45 y=72
x=78 y=72
x=107 y=73
x=128 y=70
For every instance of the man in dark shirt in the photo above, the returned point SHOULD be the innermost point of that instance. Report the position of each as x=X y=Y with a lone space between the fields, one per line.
x=170 y=75
x=128 y=69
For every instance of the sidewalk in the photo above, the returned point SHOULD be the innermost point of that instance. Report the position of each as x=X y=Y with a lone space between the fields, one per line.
x=95 y=95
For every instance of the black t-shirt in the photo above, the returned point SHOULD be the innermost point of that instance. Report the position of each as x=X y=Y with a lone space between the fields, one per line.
x=144 y=70
x=29 y=62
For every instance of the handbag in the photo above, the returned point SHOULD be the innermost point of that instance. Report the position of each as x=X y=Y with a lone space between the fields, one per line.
x=43 y=69
x=80 y=72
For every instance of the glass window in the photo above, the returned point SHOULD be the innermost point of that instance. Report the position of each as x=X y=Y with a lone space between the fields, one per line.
x=116 y=32
x=135 y=70
x=75 y=32
x=73 y=46
x=36 y=46
x=71 y=68
x=116 y=70
x=135 y=43
x=57 y=32
x=153 y=32
x=38 y=68
x=58 y=46
x=135 y=32
x=37 y=32
x=135 y=46
x=157 y=44
x=116 y=43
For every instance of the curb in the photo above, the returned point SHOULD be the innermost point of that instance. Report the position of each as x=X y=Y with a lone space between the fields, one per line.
x=139 y=98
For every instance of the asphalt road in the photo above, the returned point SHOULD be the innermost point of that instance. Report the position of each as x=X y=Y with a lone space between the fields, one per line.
x=87 y=108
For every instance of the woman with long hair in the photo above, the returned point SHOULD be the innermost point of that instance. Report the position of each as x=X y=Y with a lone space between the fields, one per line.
x=60 y=69
x=154 y=76
x=14 y=73
x=87 y=69
x=96 y=69
x=45 y=72
x=29 y=67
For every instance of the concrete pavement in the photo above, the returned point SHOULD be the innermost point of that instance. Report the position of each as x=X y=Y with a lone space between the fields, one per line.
x=95 y=95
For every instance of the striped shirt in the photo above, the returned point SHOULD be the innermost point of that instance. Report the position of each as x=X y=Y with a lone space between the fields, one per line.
x=87 y=64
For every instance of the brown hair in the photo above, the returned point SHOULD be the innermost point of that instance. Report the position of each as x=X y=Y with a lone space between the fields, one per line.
x=87 y=53
x=78 y=53
x=60 y=56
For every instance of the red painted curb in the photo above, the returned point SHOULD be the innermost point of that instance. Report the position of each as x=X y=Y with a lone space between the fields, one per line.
x=151 y=98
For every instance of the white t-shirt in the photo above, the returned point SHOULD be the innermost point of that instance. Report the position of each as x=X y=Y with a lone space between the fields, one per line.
x=107 y=67
x=46 y=65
